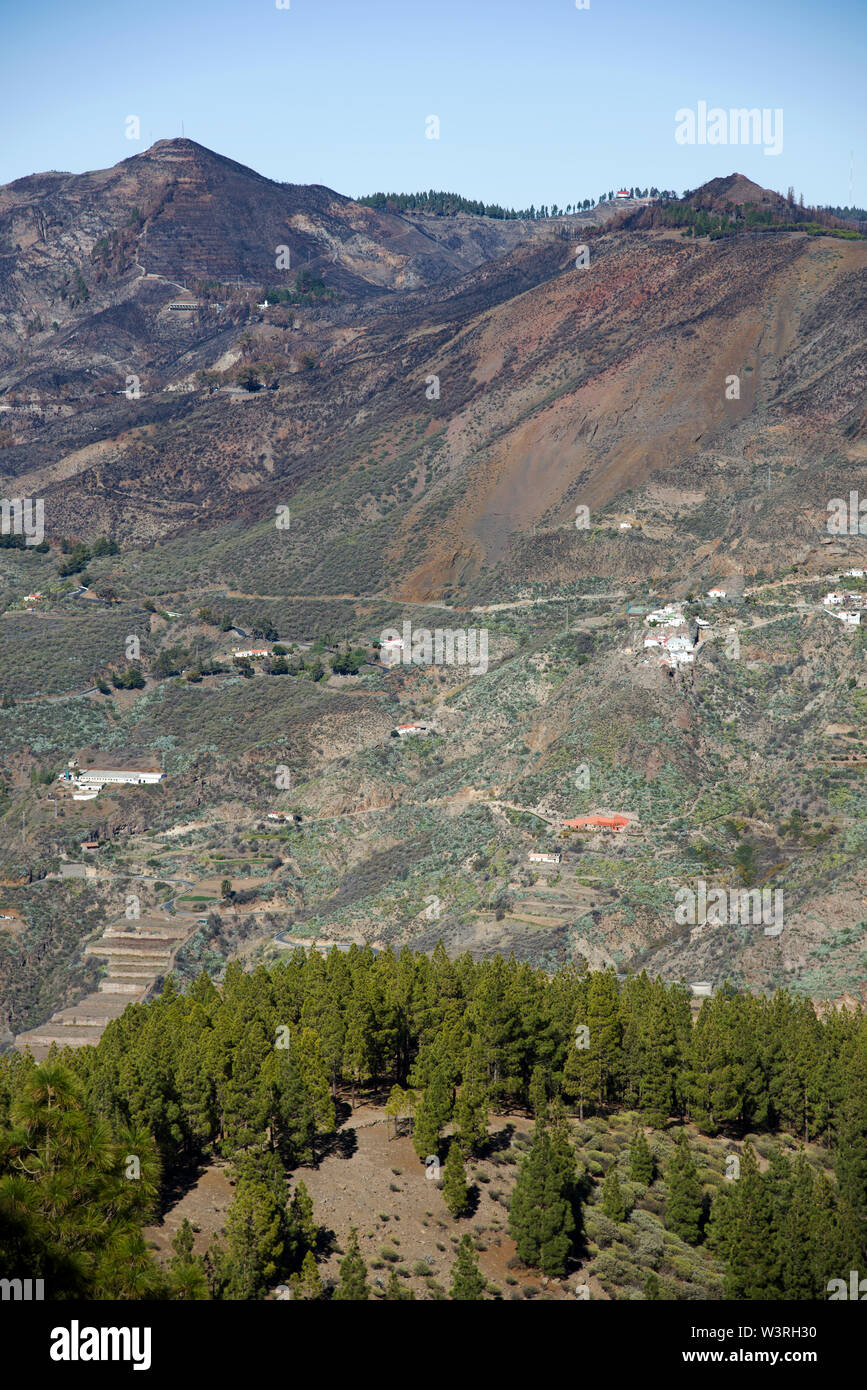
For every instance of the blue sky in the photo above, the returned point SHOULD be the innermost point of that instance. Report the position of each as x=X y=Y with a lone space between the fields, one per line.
x=538 y=102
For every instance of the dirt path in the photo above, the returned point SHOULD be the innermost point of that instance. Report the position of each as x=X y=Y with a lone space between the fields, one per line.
x=407 y=602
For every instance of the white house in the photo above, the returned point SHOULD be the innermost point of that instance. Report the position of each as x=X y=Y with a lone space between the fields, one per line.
x=626 y=526
x=390 y=650
x=407 y=730
x=253 y=651
x=669 y=616
x=537 y=857
x=675 y=659
x=856 y=574
x=853 y=619
x=833 y=598
x=678 y=650
x=716 y=593
x=655 y=641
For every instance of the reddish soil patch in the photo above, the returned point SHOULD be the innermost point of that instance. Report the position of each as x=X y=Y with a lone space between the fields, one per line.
x=376 y=1182
x=204 y=1205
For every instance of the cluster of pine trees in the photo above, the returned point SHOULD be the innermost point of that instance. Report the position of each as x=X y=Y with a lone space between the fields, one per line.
x=448 y=204
x=251 y=1071
x=699 y=221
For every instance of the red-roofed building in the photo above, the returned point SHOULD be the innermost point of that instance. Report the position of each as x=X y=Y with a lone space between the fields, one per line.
x=597 y=823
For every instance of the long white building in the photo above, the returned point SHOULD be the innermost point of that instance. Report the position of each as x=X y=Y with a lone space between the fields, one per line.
x=123 y=775
x=92 y=770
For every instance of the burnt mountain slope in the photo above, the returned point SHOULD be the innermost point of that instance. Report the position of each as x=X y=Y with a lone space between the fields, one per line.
x=434 y=423
x=180 y=213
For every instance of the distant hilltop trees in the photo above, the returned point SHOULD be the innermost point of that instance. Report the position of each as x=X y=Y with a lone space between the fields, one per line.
x=443 y=205
x=448 y=204
x=733 y=218
x=857 y=215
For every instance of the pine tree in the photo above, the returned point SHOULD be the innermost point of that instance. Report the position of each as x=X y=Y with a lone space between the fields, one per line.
x=471 y=1105
x=294 y=1121
x=796 y=1243
x=850 y=1160
x=303 y=1231
x=353 y=1285
x=455 y=1191
x=834 y=1238
x=613 y=1204
x=640 y=1159
x=255 y=1226
x=471 y=1118
x=538 y=1094
x=605 y=1053
x=468 y=1283
x=187 y=1279
x=753 y=1258
x=683 y=1199
x=634 y=1003
x=541 y=1212
x=394 y=1106
x=320 y=1011
x=712 y=1091
x=66 y=1209
x=659 y=1058
x=720 y=1228
x=357 y=1062
x=196 y=1093
x=395 y=1292
x=528 y=1200
x=308 y=1284
x=579 y=1070
x=314 y=1074
x=434 y=1111
x=182 y=1242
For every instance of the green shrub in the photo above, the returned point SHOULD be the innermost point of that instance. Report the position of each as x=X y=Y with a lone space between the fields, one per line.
x=599 y=1228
